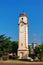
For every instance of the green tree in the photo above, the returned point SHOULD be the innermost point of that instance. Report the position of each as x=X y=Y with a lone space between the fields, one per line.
x=39 y=51
x=2 y=38
x=14 y=47
x=5 y=44
x=7 y=47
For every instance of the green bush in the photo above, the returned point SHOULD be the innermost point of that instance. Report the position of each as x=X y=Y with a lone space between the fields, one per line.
x=15 y=57
x=5 y=57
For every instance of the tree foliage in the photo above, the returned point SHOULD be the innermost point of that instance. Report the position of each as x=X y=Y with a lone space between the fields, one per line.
x=7 y=46
x=39 y=51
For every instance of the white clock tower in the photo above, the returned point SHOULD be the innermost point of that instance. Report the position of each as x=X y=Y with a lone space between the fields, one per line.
x=23 y=37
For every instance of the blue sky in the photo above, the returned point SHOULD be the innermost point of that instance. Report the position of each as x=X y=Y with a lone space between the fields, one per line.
x=9 y=16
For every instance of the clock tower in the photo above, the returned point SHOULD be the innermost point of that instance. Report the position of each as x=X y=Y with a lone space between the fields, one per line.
x=23 y=37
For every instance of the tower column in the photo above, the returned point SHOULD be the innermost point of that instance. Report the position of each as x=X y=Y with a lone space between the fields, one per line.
x=23 y=37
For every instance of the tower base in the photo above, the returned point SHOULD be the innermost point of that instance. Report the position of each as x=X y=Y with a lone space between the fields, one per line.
x=23 y=54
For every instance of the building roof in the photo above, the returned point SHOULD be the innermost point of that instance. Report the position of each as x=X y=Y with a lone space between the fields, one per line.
x=22 y=14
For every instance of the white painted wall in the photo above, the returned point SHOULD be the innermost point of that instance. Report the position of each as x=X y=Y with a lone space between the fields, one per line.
x=24 y=19
x=27 y=36
x=23 y=38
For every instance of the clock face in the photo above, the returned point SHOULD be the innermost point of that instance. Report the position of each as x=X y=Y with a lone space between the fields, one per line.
x=22 y=19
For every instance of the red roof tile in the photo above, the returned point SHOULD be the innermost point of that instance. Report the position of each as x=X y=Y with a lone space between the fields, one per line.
x=22 y=14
